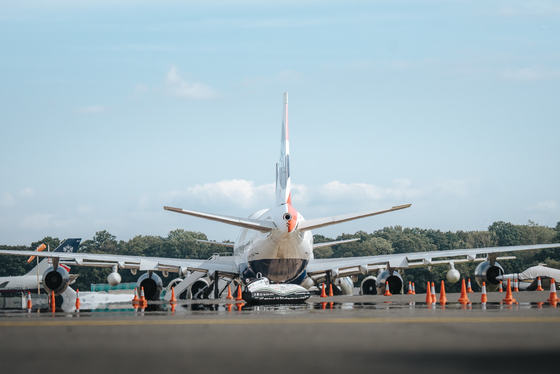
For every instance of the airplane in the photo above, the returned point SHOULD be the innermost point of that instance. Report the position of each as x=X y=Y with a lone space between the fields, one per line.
x=277 y=244
x=31 y=280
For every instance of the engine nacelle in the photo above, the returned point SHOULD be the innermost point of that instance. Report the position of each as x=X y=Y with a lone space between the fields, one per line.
x=152 y=285
x=56 y=280
x=395 y=282
x=369 y=286
x=198 y=288
x=346 y=285
x=485 y=272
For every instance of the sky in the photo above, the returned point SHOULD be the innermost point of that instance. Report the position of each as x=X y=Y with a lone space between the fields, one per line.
x=110 y=110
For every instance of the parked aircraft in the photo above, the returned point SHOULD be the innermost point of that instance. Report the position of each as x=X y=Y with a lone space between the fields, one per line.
x=33 y=279
x=278 y=244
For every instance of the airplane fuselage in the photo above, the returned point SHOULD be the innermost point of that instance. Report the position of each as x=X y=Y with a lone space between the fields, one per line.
x=280 y=255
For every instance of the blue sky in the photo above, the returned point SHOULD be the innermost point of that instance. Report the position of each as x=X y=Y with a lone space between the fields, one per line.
x=110 y=110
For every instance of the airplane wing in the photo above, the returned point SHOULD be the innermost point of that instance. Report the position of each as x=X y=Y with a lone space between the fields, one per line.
x=316 y=223
x=357 y=265
x=247 y=223
x=223 y=264
x=327 y=244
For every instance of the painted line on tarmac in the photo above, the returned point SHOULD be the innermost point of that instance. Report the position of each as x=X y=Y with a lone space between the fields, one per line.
x=270 y=321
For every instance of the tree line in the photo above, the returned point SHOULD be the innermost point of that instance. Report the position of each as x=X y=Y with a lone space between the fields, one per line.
x=388 y=240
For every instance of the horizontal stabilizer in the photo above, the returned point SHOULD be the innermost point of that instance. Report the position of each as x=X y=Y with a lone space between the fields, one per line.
x=225 y=244
x=248 y=223
x=327 y=221
x=327 y=244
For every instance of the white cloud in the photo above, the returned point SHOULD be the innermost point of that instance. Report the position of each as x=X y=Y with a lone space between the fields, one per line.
x=530 y=74
x=95 y=109
x=6 y=199
x=27 y=192
x=245 y=194
x=176 y=86
x=545 y=205
x=140 y=89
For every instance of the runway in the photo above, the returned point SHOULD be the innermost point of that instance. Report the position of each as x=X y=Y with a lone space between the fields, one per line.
x=373 y=335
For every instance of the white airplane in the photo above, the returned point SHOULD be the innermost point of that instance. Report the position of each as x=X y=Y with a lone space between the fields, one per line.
x=278 y=244
x=32 y=280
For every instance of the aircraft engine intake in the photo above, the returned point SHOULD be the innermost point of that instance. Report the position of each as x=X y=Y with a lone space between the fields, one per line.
x=395 y=282
x=199 y=288
x=485 y=272
x=369 y=286
x=56 y=280
x=152 y=285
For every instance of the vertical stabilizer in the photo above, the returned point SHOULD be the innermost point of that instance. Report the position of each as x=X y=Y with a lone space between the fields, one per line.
x=283 y=187
x=67 y=245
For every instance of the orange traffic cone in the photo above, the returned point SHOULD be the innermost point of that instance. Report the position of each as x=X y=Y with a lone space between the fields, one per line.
x=442 y=297
x=143 y=301
x=515 y=285
x=483 y=297
x=239 y=294
x=29 y=303
x=428 y=294
x=330 y=290
x=78 y=303
x=553 y=296
x=463 y=299
x=173 y=299
x=135 y=301
x=229 y=306
x=539 y=284
x=387 y=292
x=434 y=296
x=501 y=288
x=509 y=298
x=413 y=289
x=323 y=293
x=229 y=297
x=53 y=302
x=409 y=288
x=469 y=288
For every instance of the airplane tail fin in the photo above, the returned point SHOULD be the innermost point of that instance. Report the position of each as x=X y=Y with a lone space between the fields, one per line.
x=283 y=185
x=67 y=245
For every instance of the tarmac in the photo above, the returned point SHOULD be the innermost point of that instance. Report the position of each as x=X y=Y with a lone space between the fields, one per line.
x=340 y=334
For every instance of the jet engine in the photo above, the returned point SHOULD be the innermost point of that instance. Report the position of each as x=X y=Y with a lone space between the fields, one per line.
x=369 y=286
x=56 y=280
x=486 y=272
x=152 y=285
x=395 y=282
x=198 y=289
x=345 y=284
